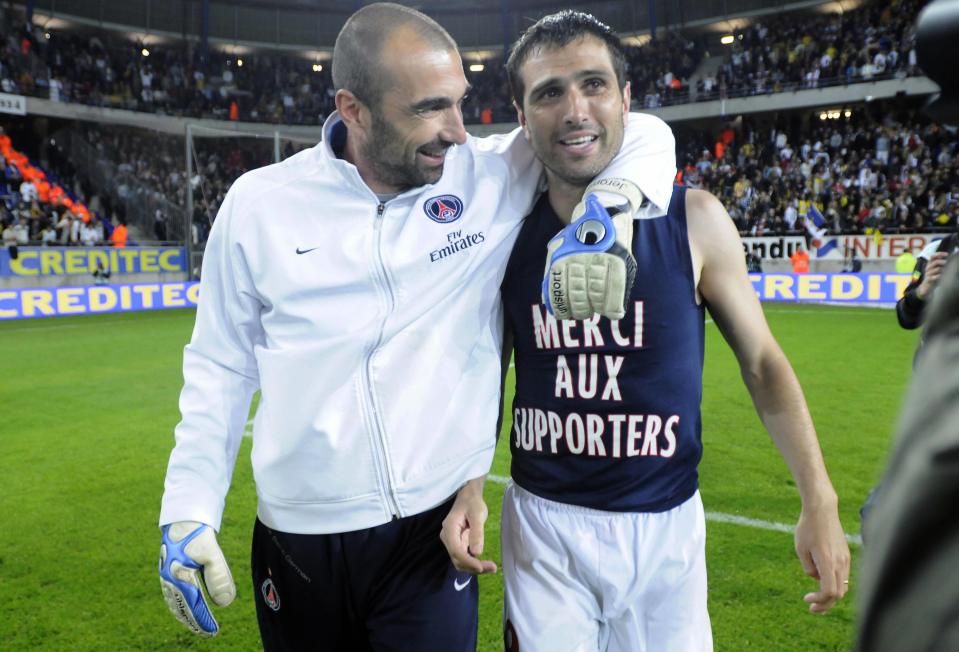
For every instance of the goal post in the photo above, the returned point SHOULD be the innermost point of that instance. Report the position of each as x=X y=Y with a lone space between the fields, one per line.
x=263 y=144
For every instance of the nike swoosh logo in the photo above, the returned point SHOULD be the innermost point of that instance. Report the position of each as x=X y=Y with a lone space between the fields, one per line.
x=305 y=251
x=460 y=587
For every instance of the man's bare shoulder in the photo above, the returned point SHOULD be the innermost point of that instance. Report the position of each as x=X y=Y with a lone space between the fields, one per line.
x=706 y=215
x=713 y=237
x=701 y=204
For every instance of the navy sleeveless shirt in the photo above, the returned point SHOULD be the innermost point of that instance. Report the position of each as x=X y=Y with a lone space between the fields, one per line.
x=607 y=413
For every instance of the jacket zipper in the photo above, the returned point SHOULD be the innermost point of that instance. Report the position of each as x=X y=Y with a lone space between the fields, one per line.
x=380 y=453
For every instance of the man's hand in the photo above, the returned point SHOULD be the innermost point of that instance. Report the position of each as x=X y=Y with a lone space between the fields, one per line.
x=824 y=554
x=462 y=532
x=930 y=277
x=589 y=264
x=188 y=549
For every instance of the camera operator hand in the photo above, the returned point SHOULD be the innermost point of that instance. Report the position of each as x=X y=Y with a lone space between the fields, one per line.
x=933 y=271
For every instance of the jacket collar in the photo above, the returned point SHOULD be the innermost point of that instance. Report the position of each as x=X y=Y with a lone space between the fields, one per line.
x=334 y=138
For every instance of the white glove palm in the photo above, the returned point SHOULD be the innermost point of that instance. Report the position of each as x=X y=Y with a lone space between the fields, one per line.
x=187 y=550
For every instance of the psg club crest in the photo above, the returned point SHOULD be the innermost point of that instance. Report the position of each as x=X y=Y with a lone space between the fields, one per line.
x=270 y=596
x=443 y=209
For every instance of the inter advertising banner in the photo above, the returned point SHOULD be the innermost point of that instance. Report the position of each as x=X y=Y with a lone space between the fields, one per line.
x=54 y=261
x=27 y=303
x=867 y=247
x=859 y=289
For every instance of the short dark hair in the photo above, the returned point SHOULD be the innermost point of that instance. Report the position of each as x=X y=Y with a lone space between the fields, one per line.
x=357 y=64
x=555 y=31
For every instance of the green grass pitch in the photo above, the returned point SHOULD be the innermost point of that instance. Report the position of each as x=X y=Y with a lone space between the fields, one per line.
x=89 y=406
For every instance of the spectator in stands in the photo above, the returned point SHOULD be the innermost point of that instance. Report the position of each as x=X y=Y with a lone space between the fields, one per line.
x=28 y=191
x=75 y=223
x=120 y=234
x=10 y=240
x=48 y=235
x=88 y=234
x=159 y=225
x=12 y=173
x=791 y=214
x=22 y=231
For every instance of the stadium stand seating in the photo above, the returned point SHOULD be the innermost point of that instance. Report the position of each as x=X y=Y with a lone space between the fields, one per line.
x=876 y=41
x=39 y=209
x=778 y=55
x=864 y=171
x=865 y=174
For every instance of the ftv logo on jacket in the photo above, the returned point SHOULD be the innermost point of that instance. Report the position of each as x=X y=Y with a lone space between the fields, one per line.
x=444 y=208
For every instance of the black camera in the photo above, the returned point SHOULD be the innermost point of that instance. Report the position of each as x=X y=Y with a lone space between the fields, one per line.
x=937 y=31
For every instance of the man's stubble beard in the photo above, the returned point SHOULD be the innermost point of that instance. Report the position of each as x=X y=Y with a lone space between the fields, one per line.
x=582 y=177
x=384 y=151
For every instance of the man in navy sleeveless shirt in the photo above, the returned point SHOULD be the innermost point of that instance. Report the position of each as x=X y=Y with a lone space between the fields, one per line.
x=603 y=527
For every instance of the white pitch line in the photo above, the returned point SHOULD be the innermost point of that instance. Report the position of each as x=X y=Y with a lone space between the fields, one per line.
x=720 y=517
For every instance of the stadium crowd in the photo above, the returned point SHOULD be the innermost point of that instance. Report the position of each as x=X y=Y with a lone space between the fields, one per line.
x=876 y=41
x=102 y=69
x=106 y=70
x=864 y=174
x=660 y=70
x=47 y=204
x=147 y=169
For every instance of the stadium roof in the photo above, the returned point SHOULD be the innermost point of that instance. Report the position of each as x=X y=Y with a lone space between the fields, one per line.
x=718 y=7
x=476 y=25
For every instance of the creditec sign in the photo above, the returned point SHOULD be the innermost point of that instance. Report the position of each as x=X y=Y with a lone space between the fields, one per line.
x=23 y=303
x=879 y=289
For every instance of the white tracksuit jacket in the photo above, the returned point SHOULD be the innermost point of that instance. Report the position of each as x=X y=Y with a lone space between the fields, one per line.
x=373 y=332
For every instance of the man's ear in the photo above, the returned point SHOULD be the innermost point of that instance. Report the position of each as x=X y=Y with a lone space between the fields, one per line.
x=352 y=111
x=521 y=118
x=627 y=99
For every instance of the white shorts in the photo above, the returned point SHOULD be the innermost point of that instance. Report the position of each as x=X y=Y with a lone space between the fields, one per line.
x=580 y=579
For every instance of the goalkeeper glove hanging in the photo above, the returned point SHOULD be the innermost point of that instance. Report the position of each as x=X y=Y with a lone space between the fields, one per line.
x=190 y=560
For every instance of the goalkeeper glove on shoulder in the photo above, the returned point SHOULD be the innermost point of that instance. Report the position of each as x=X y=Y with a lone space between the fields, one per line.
x=191 y=559
x=590 y=266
